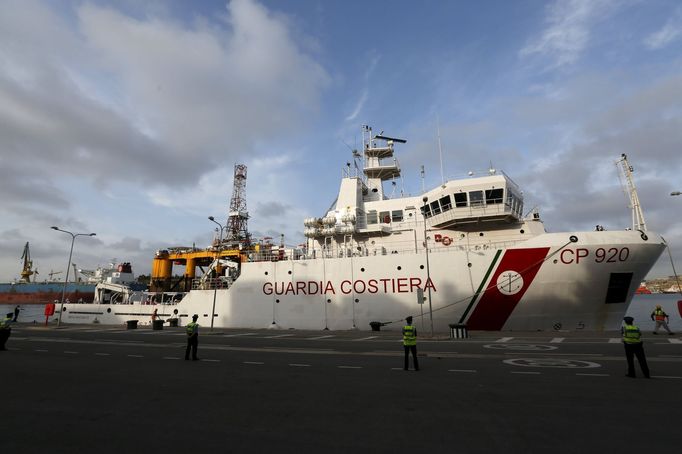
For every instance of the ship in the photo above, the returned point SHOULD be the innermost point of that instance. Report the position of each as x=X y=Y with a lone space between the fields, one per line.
x=462 y=253
x=81 y=289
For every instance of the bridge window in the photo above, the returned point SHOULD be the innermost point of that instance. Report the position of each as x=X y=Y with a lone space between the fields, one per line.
x=461 y=199
x=385 y=217
x=397 y=215
x=445 y=203
x=494 y=196
x=426 y=211
x=435 y=208
x=476 y=198
x=371 y=217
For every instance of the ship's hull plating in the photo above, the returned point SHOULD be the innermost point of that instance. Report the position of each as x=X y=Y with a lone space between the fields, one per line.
x=546 y=283
x=44 y=292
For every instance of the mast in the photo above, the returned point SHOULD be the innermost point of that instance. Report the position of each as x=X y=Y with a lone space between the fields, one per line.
x=638 y=222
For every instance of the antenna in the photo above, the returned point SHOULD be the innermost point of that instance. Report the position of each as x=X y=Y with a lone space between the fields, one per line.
x=440 y=150
x=421 y=172
x=637 y=214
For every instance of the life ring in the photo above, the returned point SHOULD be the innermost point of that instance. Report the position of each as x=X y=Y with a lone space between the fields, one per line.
x=447 y=241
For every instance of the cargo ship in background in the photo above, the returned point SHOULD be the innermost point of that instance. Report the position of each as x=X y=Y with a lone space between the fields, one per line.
x=462 y=252
x=27 y=290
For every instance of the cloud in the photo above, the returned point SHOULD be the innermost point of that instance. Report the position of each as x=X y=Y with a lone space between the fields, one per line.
x=365 y=91
x=568 y=30
x=671 y=31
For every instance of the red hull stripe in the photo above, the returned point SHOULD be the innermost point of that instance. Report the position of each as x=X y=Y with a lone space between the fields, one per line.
x=495 y=307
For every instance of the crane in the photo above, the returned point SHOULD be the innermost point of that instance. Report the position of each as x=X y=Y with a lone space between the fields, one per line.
x=26 y=272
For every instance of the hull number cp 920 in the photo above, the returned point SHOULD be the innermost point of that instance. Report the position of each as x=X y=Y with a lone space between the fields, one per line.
x=599 y=255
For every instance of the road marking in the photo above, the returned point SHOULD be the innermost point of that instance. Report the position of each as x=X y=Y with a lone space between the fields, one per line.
x=253 y=362
x=527 y=373
x=43 y=351
x=675 y=341
x=211 y=360
x=239 y=334
x=366 y=338
x=135 y=356
x=102 y=354
x=615 y=340
x=349 y=367
x=461 y=370
x=664 y=376
x=70 y=353
x=557 y=340
x=670 y=356
x=320 y=337
x=299 y=365
x=396 y=368
x=594 y=375
x=504 y=339
x=277 y=336
x=170 y=357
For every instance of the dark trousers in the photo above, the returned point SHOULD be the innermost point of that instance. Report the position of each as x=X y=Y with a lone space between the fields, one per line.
x=413 y=349
x=632 y=350
x=4 y=335
x=192 y=343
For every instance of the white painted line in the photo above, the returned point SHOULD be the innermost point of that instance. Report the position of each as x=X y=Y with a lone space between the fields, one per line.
x=278 y=336
x=396 y=368
x=170 y=357
x=211 y=360
x=670 y=356
x=461 y=370
x=320 y=337
x=594 y=375
x=135 y=356
x=299 y=365
x=615 y=340
x=42 y=351
x=664 y=376
x=70 y=353
x=349 y=367
x=240 y=334
x=527 y=373
x=253 y=362
x=557 y=340
x=366 y=338
x=675 y=341
x=504 y=339
x=103 y=354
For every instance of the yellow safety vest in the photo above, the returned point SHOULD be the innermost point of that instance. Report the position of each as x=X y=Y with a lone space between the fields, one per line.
x=5 y=323
x=631 y=334
x=192 y=328
x=409 y=335
x=659 y=315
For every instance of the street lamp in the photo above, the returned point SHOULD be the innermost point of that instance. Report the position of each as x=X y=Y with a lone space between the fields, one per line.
x=676 y=193
x=428 y=271
x=215 y=287
x=66 y=279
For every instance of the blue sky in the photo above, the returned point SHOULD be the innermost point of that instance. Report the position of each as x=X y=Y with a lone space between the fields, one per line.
x=126 y=118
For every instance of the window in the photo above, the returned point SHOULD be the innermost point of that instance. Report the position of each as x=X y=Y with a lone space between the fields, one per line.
x=476 y=198
x=397 y=215
x=445 y=203
x=426 y=211
x=371 y=217
x=493 y=196
x=460 y=199
x=435 y=208
x=385 y=217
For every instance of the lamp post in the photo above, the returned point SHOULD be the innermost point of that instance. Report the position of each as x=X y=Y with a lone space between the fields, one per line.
x=428 y=271
x=676 y=193
x=215 y=287
x=66 y=279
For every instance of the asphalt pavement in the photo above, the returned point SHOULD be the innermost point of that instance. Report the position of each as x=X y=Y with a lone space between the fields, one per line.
x=107 y=389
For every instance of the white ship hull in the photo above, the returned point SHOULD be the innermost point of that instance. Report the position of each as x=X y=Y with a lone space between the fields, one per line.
x=545 y=283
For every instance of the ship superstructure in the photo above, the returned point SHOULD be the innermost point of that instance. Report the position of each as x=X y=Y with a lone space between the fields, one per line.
x=462 y=252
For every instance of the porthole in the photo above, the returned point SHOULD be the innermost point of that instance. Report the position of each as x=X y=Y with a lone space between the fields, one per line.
x=522 y=231
x=277 y=301
x=357 y=300
x=362 y=269
x=108 y=310
x=266 y=273
x=469 y=265
x=289 y=271
x=421 y=267
x=480 y=234
x=555 y=261
x=329 y=301
x=400 y=268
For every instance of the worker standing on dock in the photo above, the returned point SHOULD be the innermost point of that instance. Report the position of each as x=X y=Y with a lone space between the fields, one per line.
x=192 y=338
x=661 y=319
x=5 y=330
x=410 y=343
x=632 y=340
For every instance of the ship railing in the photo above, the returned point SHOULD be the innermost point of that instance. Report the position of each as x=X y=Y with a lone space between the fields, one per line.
x=219 y=283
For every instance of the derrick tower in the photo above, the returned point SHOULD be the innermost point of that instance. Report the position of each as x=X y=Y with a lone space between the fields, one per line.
x=237 y=229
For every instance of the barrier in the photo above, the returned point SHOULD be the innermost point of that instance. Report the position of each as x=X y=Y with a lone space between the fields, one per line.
x=458 y=331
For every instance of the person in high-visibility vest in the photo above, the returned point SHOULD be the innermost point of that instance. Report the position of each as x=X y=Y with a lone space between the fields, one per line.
x=632 y=341
x=410 y=343
x=661 y=319
x=5 y=330
x=192 y=330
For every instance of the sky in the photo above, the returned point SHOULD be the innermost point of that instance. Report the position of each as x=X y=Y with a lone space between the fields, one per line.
x=126 y=118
